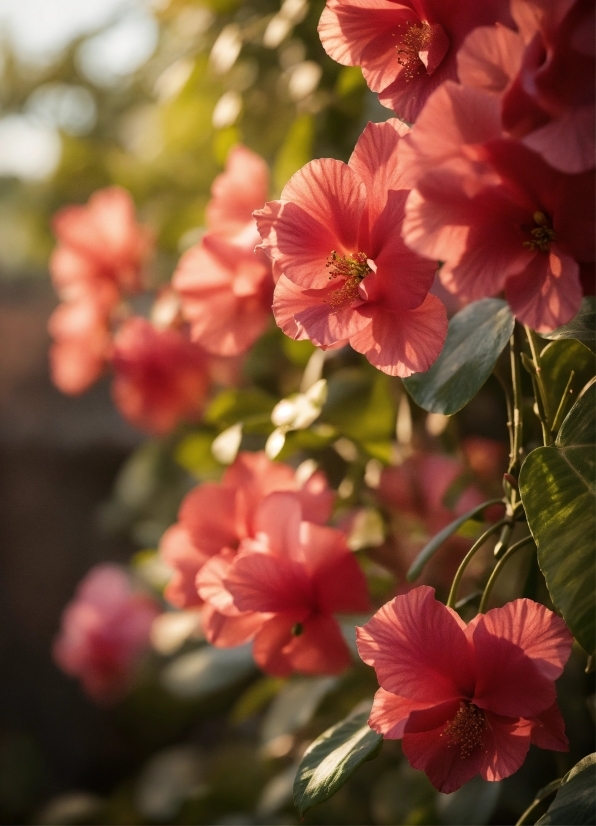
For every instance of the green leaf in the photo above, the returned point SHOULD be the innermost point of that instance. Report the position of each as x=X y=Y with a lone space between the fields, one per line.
x=557 y=360
x=295 y=151
x=557 y=489
x=193 y=453
x=295 y=705
x=360 y=405
x=475 y=340
x=575 y=803
x=232 y=406
x=581 y=328
x=331 y=760
x=200 y=673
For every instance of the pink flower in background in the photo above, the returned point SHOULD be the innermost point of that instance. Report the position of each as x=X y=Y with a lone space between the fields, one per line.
x=466 y=699
x=224 y=286
x=347 y=276
x=424 y=494
x=104 y=633
x=217 y=516
x=282 y=590
x=99 y=258
x=160 y=377
x=101 y=248
x=545 y=76
x=495 y=213
x=405 y=49
x=82 y=345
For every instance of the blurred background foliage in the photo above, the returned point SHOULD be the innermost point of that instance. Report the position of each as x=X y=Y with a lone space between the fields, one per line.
x=153 y=99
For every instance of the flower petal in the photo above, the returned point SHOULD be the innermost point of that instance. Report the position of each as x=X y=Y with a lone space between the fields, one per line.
x=418 y=649
x=506 y=745
x=548 y=730
x=390 y=714
x=269 y=583
x=226 y=632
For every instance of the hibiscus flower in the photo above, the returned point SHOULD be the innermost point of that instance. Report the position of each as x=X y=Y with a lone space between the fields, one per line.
x=466 y=699
x=160 y=377
x=406 y=49
x=224 y=287
x=347 y=275
x=215 y=517
x=282 y=589
x=495 y=212
x=104 y=633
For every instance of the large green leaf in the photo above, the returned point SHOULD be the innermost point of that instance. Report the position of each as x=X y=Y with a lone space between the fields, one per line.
x=557 y=489
x=575 y=803
x=557 y=360
x=332 y=759
x=582 y=327
x=475 y=340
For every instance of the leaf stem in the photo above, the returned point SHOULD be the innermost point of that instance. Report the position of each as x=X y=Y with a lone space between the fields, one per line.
x=517 y=448
x=497 y=569
x=539 y=388
x=561 y=409
x=468 y=557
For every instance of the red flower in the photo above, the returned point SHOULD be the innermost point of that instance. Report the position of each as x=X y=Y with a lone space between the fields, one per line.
x=99 y=257
x=347 y=276
x=544 y=75
x=494 y=211
x=466 y=699
x=406 y=49
x=225 y=288
x=105 y=630
x=217 y=516
x=160 y=376
x=283 y=588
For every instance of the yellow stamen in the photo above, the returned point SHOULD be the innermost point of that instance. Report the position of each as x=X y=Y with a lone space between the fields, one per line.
x=352 y=269
x=466 y=730
x=542 y=233
x=416 y=39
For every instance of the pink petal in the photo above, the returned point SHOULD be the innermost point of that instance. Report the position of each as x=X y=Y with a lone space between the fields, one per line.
x=237 y=192
x=489 y=58
x=548 y=730
x=228 y=631
x=547 y=293
x=264 y=582
x=208 y=514
x=506 y=744
x=418 y=649
x=339 y=583
x=307 y=313
x=178 y=551
x=390 y=714
x=567 y=142
x=271 y=643
x=209 y=582
x=278 y=518
x=428 y=750
x=403 y=343
x=319 y=211
x=538 y=632
x=320 y=648
x=508 y=681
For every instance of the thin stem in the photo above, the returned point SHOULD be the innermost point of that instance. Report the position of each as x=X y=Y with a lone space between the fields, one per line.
x=468 y=557
x=541 y=395
x=509 y=405
x=517 y=405
x=561 y=409
x=497 y=569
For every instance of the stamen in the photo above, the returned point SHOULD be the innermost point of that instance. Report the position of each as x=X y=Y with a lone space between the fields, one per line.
x=466 y=730
x=416 y=39
x=353 y=269
x=297 y=629
x=542 y=233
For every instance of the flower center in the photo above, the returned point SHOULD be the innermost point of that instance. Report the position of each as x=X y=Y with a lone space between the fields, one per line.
x=466 y=730
x=542 y=233
x=352 y=269
x=416 y=39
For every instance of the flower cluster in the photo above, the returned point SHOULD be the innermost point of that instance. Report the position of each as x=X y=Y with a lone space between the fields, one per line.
x=105 y=632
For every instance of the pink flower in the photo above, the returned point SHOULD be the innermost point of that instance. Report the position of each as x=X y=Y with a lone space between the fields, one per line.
x=495 y=213
x=99 y=258
x=466 y=699
x=425 y=493
x=101 y=248
x=282 y=590
x=405 y=49
x=226 y=288
x=217 y=516
x=347 y=276
x=545 y=76
x=104 y=633
x=82 y=345
x=160 y=376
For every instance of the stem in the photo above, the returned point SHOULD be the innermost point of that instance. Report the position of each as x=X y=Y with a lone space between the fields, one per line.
x=497 y=569
x=509 y=405
x=466 y=560
x=517 y=406
x=560 y=414
x=539 y=388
